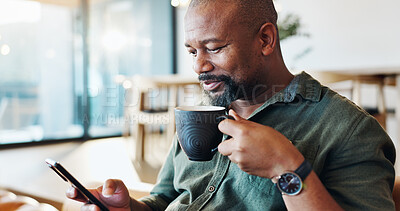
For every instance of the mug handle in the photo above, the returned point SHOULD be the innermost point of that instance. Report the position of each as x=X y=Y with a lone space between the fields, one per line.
x=220 y=119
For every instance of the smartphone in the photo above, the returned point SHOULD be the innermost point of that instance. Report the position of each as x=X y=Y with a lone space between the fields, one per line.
x=67 y=177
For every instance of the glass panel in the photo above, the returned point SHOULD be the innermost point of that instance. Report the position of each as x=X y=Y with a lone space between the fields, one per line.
x=126 y=37
x=37 y=98
x=42 y=88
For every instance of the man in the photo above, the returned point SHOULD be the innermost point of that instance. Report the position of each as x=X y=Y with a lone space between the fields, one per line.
x=288 y=130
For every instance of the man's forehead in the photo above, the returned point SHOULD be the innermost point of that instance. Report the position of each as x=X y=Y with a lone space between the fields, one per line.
x=207 y=17
x=203 y=30
x=215 y=11
x=209 y=23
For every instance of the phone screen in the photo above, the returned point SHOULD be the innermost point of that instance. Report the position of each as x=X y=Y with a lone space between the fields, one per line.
x=66 y=176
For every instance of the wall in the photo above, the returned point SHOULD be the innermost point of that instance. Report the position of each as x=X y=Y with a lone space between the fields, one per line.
x=184 y=61
x=343 y=35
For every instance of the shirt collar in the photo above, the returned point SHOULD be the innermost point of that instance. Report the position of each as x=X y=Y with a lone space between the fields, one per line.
x=308 y=87
x=302 y=84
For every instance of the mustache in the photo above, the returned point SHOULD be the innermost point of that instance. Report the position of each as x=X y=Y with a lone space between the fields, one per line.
x=208 y=77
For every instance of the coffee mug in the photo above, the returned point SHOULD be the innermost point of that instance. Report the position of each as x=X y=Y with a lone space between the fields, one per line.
x=197 y=130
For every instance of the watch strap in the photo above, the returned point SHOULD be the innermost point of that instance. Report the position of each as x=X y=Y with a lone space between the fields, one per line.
x=304 y=170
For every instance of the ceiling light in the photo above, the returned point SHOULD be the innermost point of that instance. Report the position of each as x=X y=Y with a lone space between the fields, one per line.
x=114 y=40
x=175 y=3
x=19 y=11
x=5 y=50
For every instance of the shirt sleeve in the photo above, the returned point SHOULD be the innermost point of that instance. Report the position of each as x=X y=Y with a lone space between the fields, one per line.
x=360 y=174
x=163 y=192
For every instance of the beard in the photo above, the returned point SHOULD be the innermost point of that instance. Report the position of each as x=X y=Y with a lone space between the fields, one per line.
x=232 y=91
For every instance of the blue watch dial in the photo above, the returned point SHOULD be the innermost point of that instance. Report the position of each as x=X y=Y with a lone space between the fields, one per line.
x=289 y=183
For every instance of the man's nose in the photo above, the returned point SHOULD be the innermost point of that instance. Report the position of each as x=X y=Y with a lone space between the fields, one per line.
x=201 y=64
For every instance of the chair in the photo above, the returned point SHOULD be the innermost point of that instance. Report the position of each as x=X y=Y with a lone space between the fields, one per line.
x=3 y=106
x=329 y=78
x=144 y=113
x=396 y=193
x=150 y=101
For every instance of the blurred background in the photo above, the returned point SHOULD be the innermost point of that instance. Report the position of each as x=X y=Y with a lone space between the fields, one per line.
x=81 y=78
x=58 y=61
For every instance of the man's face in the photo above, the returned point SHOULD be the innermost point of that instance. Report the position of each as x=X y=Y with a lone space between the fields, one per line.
x=224 y=52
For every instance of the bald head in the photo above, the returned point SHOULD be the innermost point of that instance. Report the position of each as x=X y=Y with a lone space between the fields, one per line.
x=252 y=13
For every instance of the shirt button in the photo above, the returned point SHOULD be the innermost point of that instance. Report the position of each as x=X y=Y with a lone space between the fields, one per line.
x=211 y=189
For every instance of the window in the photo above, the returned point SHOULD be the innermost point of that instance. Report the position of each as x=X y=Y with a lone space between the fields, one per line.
x=37 y=99
x=125 y=37
x=45 y=85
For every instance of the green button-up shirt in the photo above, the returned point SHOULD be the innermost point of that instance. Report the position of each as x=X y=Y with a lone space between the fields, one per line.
x=348 y=149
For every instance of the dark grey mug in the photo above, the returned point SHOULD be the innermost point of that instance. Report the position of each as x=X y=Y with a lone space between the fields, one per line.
x=197 y=130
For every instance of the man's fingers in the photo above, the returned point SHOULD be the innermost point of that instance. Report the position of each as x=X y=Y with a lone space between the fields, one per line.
x=74 y=194
x=71 y=193
x=112 y=193
x=114 y=186
x=229 y=126
x=226 y=147
x=109 y=188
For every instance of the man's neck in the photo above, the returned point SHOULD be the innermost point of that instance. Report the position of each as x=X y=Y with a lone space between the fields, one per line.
x=244 y=110
x=245 y=107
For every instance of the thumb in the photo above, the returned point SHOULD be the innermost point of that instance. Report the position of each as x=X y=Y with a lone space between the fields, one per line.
x=109 y=188
x=115 y=193
x=113 y=186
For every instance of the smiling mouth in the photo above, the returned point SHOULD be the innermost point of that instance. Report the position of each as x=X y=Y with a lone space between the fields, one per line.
x=212 y=86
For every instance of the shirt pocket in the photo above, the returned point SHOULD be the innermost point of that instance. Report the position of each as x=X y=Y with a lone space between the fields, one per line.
x=244 y=183
x=263 y=195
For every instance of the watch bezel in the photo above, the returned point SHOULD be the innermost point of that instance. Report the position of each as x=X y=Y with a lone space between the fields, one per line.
x=278 y=184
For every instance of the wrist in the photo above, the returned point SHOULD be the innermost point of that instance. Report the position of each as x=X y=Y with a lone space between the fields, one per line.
x=292 y=182
x=138 y=205
x=288 y=163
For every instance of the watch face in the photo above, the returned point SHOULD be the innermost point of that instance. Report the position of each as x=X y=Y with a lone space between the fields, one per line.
x=289 y=183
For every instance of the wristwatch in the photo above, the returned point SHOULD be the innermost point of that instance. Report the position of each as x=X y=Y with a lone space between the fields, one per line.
x=291 y=183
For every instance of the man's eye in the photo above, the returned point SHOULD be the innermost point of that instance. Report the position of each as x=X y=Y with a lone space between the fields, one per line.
x=214 y=50
x=192 y=52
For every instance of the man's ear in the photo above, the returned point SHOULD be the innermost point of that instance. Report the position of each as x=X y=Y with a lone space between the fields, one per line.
x=268 y=37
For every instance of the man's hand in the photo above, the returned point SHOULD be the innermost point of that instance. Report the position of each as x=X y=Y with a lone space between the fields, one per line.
x=113 y=194
x=257 y=149
x=262 y=151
